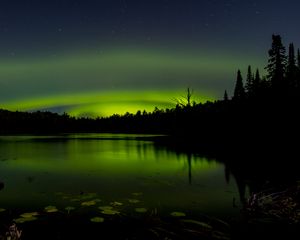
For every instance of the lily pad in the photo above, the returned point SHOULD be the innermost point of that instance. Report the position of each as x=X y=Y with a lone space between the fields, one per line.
x=178 y=214
x=88 y=203
x=75 y=200
x=134 y=200
x=51 y=209
x=87 y=196
x=220 y=235
x=198 y=223
x=141 y=210
x=59 y=193
x=137 y=194
x=105 y=208
x=2 y=210
x=29 y=215
x=97 y=219
x=116 y=204
x=69 y=208
x=27 y=219
x=110 y=212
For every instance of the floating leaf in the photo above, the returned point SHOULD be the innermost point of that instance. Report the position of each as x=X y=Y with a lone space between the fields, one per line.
x=178 y=214
x=134 y=200
x=110 y=212
x=105 y=208
x=87 y=196
x=20 y=220
x=2 y=210
x=69 y=208
x=116 y=204
x=75 y=199
x=97 y=200
x=97 y=219
x=51 y=209
x=141 y=210
x=219 y=235
x=27 y=219
x=59 y=193
x=88 y=203
x=201 y=224
x=29 y=215
x=137 y=193
x=225 y=224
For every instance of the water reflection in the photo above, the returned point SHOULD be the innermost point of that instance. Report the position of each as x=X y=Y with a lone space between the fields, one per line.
x=259 y=173
x=112 y=166
x=251 y=172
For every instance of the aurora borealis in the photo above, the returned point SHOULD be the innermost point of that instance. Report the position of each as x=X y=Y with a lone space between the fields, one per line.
x=105 y=84
x=104 y=57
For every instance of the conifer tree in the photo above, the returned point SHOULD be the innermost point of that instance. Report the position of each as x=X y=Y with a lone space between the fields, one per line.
x=239 y=91
x=256 y=83
x=298 y=58
x=291 y=59
x=226 y=96
x=291 y=72
x=249 y=82
x=277 y=63
x=298 y=71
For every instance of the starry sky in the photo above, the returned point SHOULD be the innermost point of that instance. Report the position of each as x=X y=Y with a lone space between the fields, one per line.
x=98 y=57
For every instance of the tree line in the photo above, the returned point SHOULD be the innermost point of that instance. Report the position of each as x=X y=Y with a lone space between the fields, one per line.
x=282 y=79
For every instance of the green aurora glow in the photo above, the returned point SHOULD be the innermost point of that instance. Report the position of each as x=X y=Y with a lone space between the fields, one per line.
x=102 y=103
x=114 y=81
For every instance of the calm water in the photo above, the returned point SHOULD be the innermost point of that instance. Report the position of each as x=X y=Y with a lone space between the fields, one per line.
x=57 y=170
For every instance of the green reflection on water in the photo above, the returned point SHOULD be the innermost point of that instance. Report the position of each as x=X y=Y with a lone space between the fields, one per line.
x=63 y=155
x=113 y=167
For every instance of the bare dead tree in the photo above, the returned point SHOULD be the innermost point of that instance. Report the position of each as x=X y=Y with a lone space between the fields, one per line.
x=187 y=100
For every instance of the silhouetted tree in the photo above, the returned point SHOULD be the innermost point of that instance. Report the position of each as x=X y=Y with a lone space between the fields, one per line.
x=298 y=58
x=257 y=84
x=226 y=96
x=138 y=113
x=298 y=72
x=239 y=91
x=188 y=97
x=277 y=63
x=185 y=101
x=292 y=71
x=291 y=58
x=249 y=82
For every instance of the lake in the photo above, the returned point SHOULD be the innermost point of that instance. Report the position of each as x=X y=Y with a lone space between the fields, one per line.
x=128 y=172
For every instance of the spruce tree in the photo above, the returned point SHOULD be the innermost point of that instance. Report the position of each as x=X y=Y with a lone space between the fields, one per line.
x=256 y=83
x=291 y=59
x=298 y=58
x=249 y=82
x=239 y=91
x=298 y=71
x=226 y=96
x=291 y=69
x=277 y=63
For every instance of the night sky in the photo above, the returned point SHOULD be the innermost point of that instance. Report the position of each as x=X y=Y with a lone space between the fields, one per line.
x=100 y=57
